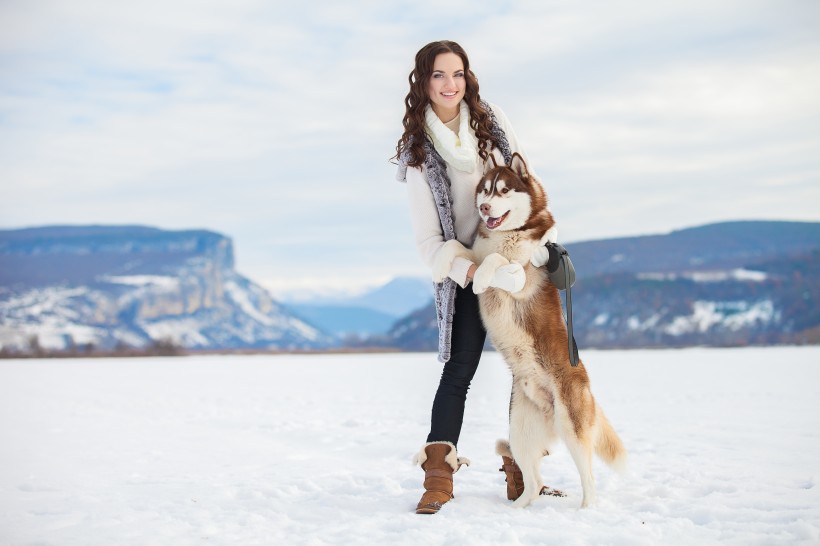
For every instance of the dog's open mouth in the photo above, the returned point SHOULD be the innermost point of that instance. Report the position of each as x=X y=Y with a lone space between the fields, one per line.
x=493 y=223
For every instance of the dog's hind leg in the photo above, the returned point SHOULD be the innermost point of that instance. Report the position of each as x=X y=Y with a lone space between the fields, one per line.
x=581 y=450
x=527 y=440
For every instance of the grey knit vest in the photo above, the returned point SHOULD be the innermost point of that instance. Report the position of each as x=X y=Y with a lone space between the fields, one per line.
x=436 y=169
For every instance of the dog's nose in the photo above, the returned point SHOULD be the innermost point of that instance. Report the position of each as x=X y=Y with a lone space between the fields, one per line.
x=485 y=209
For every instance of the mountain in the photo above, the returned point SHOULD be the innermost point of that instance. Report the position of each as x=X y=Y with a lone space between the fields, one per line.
x=369 y=314
x=731 y=283
x=396 y=298
x=345 y=322
x=134 y=286
x=713 y=247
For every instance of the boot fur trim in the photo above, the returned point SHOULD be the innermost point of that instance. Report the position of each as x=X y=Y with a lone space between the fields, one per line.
x=452 y=458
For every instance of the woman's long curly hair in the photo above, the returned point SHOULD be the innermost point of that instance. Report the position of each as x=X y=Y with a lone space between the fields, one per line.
x=417 y=100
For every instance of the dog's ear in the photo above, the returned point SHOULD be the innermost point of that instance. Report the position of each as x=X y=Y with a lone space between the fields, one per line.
x=490 y=164
x=519 y=166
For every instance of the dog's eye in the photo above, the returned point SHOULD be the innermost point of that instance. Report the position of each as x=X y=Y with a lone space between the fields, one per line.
x=505 y=190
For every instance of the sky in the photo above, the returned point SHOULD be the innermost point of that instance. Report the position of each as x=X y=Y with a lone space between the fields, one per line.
x=274 y=122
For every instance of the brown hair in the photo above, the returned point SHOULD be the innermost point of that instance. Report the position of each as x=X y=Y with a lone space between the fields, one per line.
x=417 y=99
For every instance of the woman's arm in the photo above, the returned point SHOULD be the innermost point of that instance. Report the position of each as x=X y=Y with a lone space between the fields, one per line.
x=427 y=226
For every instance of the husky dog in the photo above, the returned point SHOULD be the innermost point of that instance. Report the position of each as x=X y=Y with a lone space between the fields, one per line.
x=551 y=399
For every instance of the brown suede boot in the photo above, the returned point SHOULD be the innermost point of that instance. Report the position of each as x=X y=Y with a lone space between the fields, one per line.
x=439 y=461
x=515 y=479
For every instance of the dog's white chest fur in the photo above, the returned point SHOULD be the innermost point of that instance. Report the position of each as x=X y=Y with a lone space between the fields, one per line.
x=513 y=245
x=504 y=314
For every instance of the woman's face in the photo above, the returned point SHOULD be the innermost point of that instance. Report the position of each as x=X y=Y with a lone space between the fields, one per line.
x=447 y=85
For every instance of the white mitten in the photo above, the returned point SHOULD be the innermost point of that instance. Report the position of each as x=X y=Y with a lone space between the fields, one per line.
x=443 y=260
x=497 y=272
x=509 y=277
x=541 y=255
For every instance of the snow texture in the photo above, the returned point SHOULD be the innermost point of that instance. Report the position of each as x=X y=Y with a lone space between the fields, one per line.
x=316 y=449
x=706 y=314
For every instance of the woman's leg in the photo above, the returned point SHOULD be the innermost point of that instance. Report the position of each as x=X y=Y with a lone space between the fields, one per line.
x=466 y=345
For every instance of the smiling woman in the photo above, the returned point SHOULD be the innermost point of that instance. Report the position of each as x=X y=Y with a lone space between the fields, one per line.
x=447 y=85
x=450 y=137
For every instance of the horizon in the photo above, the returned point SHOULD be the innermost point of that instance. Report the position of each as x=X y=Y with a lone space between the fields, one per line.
x=273 y=123
x=303 y=290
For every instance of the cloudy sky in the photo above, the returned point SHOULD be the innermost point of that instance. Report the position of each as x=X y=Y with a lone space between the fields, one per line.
x=273 y=122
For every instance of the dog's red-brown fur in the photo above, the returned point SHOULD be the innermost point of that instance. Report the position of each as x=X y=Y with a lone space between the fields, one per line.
x=551 y=399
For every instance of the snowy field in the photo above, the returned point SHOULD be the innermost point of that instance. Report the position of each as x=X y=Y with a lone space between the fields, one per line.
x=724 y=449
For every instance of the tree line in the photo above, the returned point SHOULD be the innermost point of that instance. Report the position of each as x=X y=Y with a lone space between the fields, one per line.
x=35 y=349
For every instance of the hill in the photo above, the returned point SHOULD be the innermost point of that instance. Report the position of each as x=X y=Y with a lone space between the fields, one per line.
x=75 y=287
x=732 y=283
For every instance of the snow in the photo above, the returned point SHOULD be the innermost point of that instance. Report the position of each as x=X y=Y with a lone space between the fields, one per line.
x=155 y=281
x=721 y=276
x=733 y=315
x=61 y=317
x=739 y=274
x=41 y=301
x=241 y=298
x=749 y=275
x=316 y=449
x=182 y=331
x=635 y=323
x=50 y=314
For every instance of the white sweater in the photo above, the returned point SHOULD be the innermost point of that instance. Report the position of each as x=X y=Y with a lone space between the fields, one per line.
x=423 y=211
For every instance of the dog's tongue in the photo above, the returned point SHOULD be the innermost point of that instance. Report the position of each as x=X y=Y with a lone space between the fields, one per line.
x=493 y=223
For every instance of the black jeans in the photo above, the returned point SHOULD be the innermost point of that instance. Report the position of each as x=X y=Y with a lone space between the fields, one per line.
x=465 y=352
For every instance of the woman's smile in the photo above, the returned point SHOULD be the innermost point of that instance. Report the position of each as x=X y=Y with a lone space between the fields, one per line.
x=447 y=85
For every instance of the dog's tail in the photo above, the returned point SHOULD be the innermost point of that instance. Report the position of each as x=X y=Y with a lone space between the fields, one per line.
x=608 y=445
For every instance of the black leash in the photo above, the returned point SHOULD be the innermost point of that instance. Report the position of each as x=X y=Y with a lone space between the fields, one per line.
x=563 y=280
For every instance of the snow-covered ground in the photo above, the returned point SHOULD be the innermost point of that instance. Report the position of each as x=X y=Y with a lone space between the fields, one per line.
x=724 y=449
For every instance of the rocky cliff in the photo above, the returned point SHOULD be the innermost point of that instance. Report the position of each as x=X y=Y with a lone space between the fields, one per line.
x=133 y=286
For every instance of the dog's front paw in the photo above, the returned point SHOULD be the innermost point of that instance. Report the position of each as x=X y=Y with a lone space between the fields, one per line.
x=443 y=260
x=540 y=256
x=485 y=273
x=551 y=236
x=510 y=277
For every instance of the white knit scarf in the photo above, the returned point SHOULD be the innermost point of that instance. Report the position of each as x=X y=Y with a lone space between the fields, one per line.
x=460 y=152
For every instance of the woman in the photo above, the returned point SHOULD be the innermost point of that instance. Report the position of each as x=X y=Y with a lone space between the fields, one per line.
x=449 y=134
